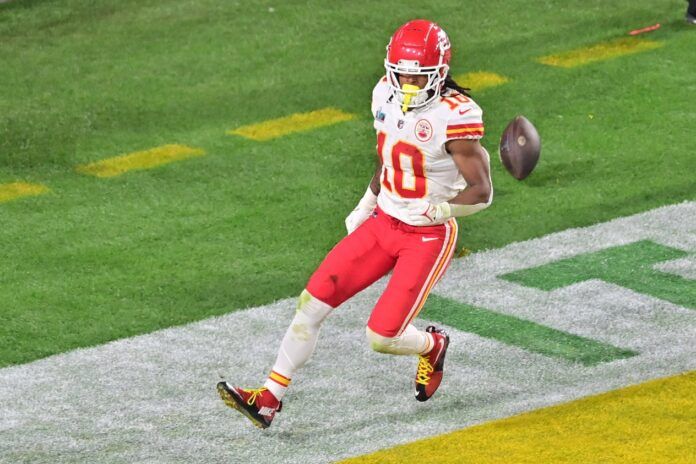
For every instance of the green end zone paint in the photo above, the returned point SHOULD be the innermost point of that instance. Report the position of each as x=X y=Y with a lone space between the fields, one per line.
x=521 y=333
x=630 y=266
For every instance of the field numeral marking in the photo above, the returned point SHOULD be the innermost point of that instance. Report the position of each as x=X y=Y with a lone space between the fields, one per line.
x=629 y=266
x=521 y=333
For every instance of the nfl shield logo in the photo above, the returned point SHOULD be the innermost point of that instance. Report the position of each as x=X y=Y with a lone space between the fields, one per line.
x=400 y=124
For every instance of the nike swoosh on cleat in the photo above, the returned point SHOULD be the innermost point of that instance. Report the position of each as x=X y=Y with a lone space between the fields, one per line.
x=441 y=345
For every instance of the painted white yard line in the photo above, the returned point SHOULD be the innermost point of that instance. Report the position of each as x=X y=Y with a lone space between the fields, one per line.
x=152 y=398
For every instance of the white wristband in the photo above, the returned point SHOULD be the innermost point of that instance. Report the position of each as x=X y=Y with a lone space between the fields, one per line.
x=448 y=210
x=466 y=210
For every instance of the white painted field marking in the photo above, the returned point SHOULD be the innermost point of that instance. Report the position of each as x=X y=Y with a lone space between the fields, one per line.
x=152 y=398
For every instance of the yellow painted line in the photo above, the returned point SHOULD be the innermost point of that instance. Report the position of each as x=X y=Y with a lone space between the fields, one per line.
x=297 y=122
x=15 y=190
x=599 y=52
x=147 y=159
x=480 y=80
x=651 y=423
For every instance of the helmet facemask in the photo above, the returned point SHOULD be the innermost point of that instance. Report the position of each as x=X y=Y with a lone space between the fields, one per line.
x=415 y=99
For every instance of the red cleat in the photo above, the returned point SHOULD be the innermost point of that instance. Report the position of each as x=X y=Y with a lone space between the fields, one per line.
x=258 y=405
x=429 y=374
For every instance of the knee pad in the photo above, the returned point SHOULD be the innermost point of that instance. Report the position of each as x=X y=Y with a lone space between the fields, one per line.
x=311 y=310
x=308 y=317
x=380 y=343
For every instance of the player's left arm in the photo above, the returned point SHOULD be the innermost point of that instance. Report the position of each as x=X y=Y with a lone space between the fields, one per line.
x=473 y=163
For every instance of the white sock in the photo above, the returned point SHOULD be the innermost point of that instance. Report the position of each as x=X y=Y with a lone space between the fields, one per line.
x=299 y=342
x=411 y=341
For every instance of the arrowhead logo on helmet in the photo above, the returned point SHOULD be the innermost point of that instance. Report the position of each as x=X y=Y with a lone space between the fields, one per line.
x=419 y=47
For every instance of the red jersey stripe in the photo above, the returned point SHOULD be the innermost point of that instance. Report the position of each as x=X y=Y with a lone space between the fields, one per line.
x=465 y=132
x=464 y=126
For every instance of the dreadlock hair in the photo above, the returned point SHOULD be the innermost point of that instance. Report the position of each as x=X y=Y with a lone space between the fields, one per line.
x=451 y=84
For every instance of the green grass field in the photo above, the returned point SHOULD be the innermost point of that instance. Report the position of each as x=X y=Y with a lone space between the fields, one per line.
x=101 y=259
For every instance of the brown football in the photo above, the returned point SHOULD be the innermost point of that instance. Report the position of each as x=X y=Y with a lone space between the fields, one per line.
x=520 y=147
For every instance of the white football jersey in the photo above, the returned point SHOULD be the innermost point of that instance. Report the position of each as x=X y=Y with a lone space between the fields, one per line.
x=415 y=164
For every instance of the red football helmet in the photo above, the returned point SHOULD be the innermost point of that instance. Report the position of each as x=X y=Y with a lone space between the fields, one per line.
x=418 y=47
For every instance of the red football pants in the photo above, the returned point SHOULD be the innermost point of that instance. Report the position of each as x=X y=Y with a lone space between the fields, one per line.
x=418 y=256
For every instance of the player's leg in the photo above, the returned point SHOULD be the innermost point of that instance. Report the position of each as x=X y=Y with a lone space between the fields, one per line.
x=352 y=265
x=298 y=343
x=419 y=267
x=355 y=263
x=261 y=404
x=410 y=341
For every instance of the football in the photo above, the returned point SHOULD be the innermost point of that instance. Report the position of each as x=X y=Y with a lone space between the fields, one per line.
x=520 y=147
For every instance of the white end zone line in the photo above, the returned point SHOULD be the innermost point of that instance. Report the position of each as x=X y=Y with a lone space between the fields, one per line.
x=152 y=398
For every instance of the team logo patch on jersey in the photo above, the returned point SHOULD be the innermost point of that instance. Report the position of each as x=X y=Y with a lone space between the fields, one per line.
x=424 y=130
x=379 y=115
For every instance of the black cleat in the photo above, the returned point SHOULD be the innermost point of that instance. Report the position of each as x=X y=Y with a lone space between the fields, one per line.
x=430 y=365
x=258 y=405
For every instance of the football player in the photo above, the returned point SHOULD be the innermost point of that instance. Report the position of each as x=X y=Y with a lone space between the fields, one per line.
x=431 y=170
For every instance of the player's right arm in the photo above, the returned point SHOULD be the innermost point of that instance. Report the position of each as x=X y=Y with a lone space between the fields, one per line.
x=367 y=203
x=375 y=183
x=463 y=131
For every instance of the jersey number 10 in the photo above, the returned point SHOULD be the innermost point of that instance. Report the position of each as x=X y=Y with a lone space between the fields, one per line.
x=401 y=148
